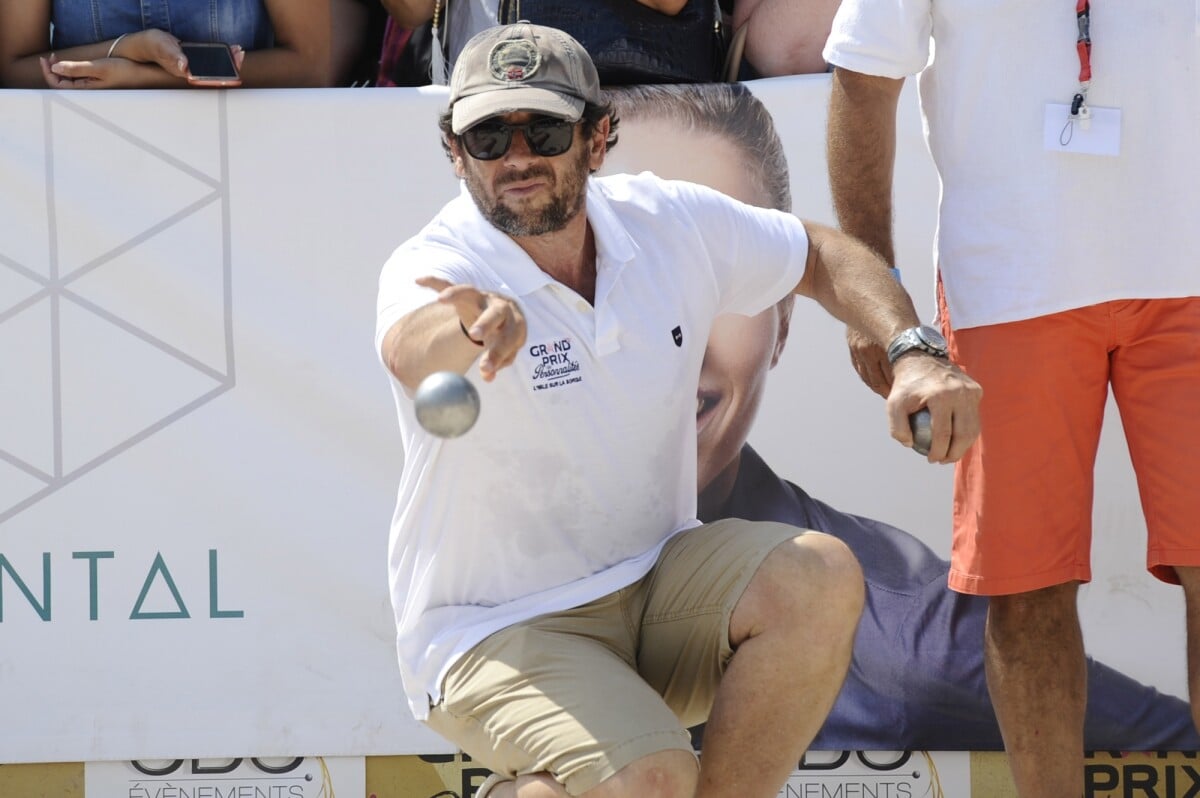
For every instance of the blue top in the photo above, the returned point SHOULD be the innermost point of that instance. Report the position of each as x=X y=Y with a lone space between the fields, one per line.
x=916 y=679
x=244 y=22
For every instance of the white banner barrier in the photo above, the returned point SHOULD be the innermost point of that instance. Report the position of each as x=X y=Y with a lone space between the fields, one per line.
x=198 y=455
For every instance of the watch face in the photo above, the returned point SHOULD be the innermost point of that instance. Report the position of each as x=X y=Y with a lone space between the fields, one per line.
x=924 y=338
x=931 y=336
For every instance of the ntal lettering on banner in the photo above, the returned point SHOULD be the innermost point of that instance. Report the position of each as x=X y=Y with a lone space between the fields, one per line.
x=158 y=578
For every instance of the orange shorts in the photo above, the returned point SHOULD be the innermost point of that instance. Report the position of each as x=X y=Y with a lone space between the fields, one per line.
x=1023 y=493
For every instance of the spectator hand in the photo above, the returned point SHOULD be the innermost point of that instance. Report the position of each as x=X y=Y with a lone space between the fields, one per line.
x=921 y=380
x=127 y=67
x=101 y=73
x=154 y=46
x=495 y=319
x=870 y=361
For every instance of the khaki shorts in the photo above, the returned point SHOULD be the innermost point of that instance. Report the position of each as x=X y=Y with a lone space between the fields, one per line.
x=583 y=693
x=1023 y=494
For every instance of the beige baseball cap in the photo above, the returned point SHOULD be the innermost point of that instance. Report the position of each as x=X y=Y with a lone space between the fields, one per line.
x=521 y=67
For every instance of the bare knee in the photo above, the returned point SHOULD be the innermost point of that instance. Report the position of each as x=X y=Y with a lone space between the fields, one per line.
x=814 y=579
x=1045 y=608
x=1022 y=620
x=666 y=774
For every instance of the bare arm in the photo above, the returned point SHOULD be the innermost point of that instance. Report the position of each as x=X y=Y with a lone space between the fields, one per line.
x=861 y=156
x=432 y=338
x=303 y=51
x=25 y=37
x=861 y=151
x=302 y=55
x=785 y=37
x=410 y=13
x=140 y=59
x=853 y=284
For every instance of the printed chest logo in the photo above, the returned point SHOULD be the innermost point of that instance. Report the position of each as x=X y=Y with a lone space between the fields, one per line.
x=677 y=336
x=554 y=365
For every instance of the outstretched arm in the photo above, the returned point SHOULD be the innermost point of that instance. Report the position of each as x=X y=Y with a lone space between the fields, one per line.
x=449 y=334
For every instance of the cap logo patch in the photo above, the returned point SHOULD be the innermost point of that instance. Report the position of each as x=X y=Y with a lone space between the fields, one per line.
x=514 y=60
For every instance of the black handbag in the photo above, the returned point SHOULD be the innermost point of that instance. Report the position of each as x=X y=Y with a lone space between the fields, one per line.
x=631 y=43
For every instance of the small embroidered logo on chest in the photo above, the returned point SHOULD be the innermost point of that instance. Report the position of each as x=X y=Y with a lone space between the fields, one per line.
x=677 y=336
x=554 y=364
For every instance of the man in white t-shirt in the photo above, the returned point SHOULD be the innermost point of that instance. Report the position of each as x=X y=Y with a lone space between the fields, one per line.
x=1066 y=254
x=562 y=615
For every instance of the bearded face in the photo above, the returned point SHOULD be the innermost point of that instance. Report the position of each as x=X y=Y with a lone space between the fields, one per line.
x=524 y=194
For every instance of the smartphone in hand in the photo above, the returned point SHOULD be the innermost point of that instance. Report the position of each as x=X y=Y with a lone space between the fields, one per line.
x=211 y=64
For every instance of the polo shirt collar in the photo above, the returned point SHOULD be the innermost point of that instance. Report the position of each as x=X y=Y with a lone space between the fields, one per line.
x=614 y=246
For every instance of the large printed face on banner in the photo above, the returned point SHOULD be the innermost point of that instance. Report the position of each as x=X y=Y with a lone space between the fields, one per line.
x=741 y=350
x=912 y=685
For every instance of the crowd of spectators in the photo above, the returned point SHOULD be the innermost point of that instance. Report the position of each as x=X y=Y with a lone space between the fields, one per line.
x=124 y=44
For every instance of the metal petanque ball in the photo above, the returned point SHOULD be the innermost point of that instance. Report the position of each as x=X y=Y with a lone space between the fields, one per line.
x=446 y=404
x=922 y=431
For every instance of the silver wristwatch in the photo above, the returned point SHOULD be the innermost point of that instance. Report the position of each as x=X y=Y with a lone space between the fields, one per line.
x=924 y=338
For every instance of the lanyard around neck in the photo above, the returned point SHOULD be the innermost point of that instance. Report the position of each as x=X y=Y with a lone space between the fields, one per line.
x=1083 y=46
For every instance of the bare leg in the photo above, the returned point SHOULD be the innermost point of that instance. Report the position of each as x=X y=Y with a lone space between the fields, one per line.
x=1190 y=578
x=1037 y=678
x=792 y=631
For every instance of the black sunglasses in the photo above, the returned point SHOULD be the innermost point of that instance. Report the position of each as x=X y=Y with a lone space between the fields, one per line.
x=546 y=136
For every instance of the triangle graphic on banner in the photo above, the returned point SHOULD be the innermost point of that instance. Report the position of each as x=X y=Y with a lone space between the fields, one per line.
x=117 y=387
x=15 y=288
x=189 y=136
x=171 y=287
x=23 y=182
x=26 y=388
x=91 y=218
x=16 y=486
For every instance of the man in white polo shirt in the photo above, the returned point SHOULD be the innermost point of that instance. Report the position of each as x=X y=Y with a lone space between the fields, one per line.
x=1066 y=138
x=562 y=616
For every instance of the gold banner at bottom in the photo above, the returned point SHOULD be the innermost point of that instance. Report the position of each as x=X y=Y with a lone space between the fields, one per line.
x=1106 y=775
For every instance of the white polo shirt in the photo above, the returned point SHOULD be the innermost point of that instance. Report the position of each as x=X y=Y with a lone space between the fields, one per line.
x=583 y=461
x=1026 y=229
